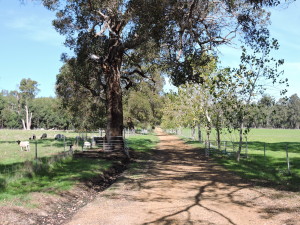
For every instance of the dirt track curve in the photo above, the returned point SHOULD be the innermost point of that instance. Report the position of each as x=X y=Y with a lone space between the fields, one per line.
x=180 y=186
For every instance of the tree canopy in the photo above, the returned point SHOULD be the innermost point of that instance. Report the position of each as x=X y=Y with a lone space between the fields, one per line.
x=118 y=40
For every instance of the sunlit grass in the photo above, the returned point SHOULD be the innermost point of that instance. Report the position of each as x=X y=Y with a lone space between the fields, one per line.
x=10 y=151
x=51 y=178
x=264 y=157
x=142 y=143
x=21 y=175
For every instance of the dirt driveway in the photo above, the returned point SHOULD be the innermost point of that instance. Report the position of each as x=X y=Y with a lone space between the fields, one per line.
x=180 y=186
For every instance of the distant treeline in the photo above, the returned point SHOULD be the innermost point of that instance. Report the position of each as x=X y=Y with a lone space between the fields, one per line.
x=46 y=113
x=49 y=113
x=268 y=113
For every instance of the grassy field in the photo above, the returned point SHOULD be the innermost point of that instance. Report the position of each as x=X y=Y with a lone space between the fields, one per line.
x=256 y=135
x=264 y=156
x=21 y=175
x=10 y=151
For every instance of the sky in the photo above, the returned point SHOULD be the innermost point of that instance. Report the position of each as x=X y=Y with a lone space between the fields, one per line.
x=31 y=48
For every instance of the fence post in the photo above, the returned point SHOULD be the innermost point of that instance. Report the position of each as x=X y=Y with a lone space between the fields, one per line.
x=246 y=147
x=64 y=143
x=225 y=146
x=287 y=159
x=36 y=150
x=265 y=151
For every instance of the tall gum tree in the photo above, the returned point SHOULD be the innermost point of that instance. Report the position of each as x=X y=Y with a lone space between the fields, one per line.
x=124 y=36
x=27 y=91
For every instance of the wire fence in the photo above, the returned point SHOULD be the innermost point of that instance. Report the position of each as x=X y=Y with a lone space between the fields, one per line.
x=45 y=149
x=282 y=157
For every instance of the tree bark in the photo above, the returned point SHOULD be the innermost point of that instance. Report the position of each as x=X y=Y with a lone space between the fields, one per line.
x=28 y=118
x=193 y=132
x=240 y=141
x=114 y=106
x=199 y=132
x=23 y=123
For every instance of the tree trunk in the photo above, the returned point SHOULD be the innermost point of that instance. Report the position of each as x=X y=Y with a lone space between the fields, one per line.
x=199 y=132
x=29 y=121
x=218 y=137
x=28 y=118
x=240 y=142
x=218 y=128
x=23 y=123
x=193 y=132
x=114 y=104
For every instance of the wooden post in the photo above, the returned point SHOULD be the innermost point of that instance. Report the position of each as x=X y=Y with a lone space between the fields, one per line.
x=36 y=151
x=225 y=146
x=64 y=143
x=287 y=159
x=246 y=148
x=265 y=151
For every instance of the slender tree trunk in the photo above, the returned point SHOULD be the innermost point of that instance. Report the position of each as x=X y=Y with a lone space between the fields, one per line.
x=193 y=132
x=28 y=118
x=199 y=132
x=240 y=141
x=208 y=127
x=23 y=123
x=29 y=122
x=218 y=137
x=218 y=128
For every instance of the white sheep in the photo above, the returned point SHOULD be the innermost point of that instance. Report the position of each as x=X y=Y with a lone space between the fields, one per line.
x=87 y=144
x=24 y=145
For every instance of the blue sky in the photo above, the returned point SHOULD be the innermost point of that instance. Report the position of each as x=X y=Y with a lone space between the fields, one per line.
x=31 y=48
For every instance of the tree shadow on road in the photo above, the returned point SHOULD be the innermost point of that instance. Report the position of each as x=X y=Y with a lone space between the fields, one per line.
x=204 y=178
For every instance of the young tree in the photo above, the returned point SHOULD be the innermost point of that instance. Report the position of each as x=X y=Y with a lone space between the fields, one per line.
x=121 y=37
x=27 y=92
x=256 y=72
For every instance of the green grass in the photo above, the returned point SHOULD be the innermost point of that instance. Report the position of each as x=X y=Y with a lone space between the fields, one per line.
x=50 y=178
x=268 y=169
x=142 y=143
x=10 y=151
x=260 y=135
x=52 y=173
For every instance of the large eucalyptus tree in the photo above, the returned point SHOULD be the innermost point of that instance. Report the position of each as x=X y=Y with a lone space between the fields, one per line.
x=118 y=38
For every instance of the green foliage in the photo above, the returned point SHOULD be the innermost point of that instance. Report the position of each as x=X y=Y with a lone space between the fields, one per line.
x=49 y=114
x=143 y=103
x=28 y=89
x=116 y=41
x=80 y=96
